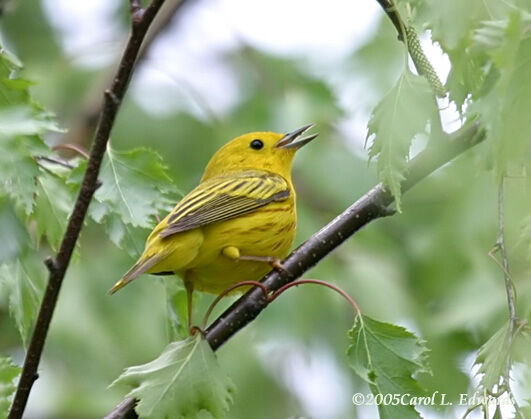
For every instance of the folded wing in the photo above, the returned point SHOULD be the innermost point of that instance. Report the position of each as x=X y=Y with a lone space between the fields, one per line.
x=226 y=197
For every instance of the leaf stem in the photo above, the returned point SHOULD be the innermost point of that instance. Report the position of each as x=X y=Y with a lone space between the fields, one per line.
x=227 y=291
x=318 y=282
x=111 y=105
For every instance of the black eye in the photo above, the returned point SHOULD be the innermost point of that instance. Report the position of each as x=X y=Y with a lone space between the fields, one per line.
x=257 y=144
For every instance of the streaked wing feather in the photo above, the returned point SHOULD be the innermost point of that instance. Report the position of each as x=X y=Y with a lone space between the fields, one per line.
x=224 y=198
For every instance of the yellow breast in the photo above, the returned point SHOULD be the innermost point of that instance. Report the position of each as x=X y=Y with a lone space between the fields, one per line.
x=269 y=231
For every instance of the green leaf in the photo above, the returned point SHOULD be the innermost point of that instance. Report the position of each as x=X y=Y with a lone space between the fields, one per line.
x=13 y=233
x=53 y=204
x=135 y=189
x=183 y=382
x=492 y=358
x=19 y=169
x=8 y=373
x=21 y=123
x=133 y=186
x=19 y=114
x=387 y=357
x=400 y=115
x=123 y=235
x=8 y=62
x=452 y=21
x=505 y=109
x=23 y=282
x=23 y=120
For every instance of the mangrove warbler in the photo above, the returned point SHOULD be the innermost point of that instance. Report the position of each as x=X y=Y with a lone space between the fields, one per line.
x=238 y=221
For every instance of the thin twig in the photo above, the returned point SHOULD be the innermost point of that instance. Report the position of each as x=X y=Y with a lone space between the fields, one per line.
x=499 y=246
x=392 y=13
x=500 y=243
x=58 y=267
x=72 y=147
x=58 y=162
x=136 y=11
x=468 y=411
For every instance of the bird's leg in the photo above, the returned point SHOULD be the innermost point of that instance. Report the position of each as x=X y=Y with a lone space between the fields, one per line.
x=234 y=253
x=189 y=297
x=273 y=261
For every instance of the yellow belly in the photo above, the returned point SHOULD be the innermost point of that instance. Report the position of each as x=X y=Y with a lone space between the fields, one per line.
x=196 y=255
x=268 y=231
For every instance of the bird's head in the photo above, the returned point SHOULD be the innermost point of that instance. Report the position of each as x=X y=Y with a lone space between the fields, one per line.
x=267 y=151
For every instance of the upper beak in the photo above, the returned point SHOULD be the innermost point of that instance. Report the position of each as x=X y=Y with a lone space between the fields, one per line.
x=288 y=140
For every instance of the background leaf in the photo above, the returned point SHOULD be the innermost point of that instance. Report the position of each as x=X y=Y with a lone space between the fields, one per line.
x=503 y=108
x=387 y=357
x=135 y=190
x=19 y=169
x=21 y=123
x=13 y=233
x=400 y=115
x=53 y=203
x=23 y=282
x=184 y=381
x=492 y=358
x=8 y=373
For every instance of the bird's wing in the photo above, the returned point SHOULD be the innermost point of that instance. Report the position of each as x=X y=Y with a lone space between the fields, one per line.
x=226 y=197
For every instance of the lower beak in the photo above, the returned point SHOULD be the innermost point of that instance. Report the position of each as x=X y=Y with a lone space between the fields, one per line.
x=288 y=140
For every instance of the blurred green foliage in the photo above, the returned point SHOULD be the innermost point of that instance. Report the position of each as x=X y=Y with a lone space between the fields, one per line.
x=426 y=268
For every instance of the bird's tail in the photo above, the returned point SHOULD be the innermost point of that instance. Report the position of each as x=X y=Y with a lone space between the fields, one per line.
x=138 y=269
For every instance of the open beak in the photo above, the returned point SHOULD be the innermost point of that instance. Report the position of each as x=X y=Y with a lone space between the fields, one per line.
x=288 y=140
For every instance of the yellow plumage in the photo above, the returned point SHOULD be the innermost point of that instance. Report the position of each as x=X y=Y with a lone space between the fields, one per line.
x=241 y=215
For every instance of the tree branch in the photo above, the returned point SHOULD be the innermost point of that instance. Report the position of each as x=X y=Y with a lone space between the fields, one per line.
x=124 y=410
x=58 y=266
x=392 y=13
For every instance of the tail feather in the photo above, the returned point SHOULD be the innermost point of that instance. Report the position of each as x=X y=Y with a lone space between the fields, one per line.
x=138 y=269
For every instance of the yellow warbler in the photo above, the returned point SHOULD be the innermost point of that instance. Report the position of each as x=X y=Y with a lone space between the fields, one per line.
x=235 y=224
